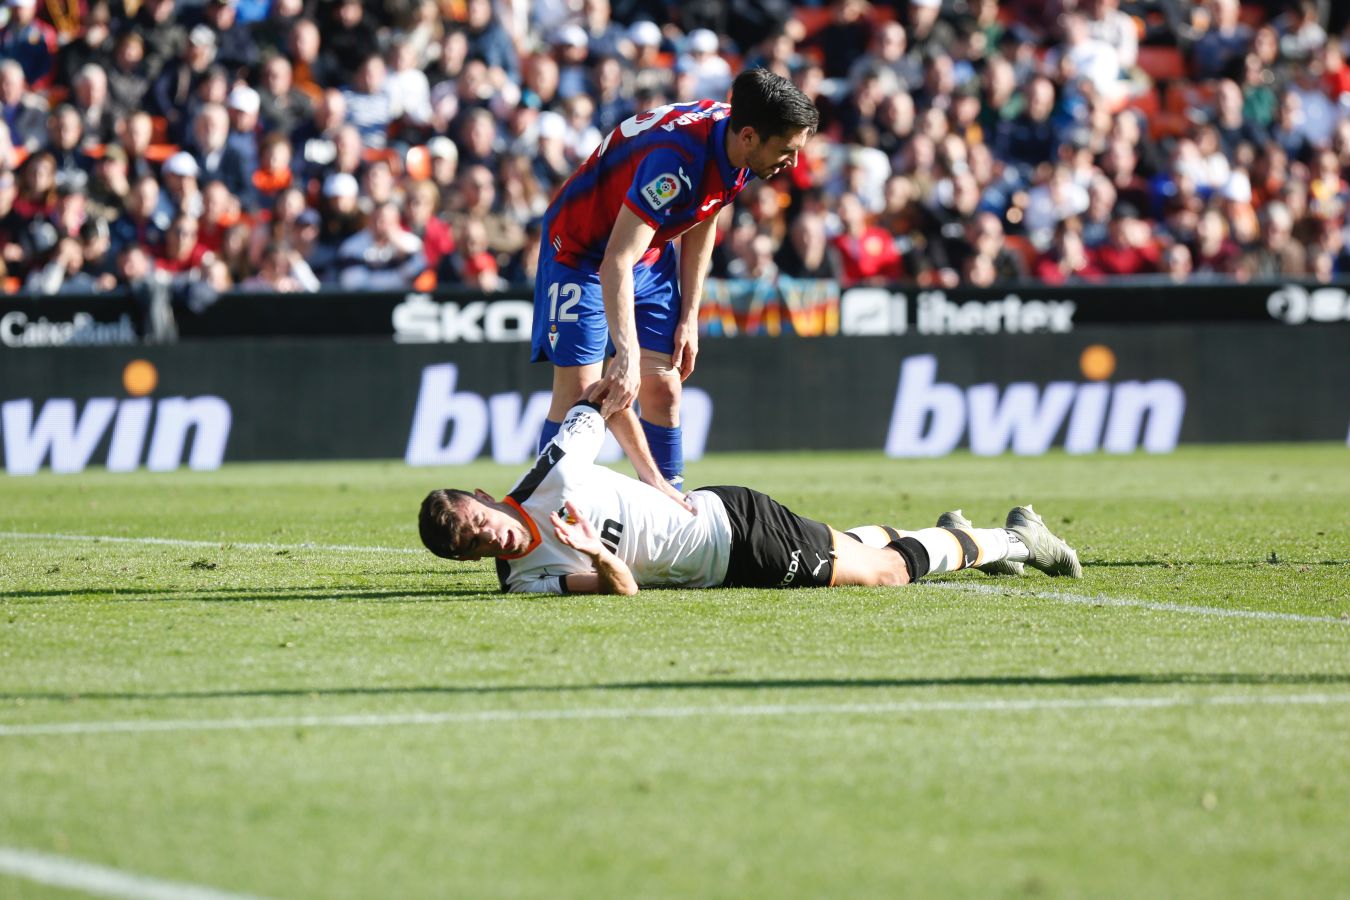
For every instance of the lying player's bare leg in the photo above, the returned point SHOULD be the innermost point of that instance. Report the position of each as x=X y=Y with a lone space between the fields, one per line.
x=858 y=564
x=1024 y=538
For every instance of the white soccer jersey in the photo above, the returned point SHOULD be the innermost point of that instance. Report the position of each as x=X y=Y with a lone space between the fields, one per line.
x=660 y=542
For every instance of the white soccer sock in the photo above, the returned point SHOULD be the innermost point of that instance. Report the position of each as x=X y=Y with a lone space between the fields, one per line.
x=945 y=551
x=874 y=535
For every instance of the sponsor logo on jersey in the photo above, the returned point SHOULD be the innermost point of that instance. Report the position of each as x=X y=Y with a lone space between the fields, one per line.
x=661 y=190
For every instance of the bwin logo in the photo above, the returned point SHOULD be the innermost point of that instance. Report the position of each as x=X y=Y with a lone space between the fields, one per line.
x=929 y=417
x=69 y=437
x=452 y=427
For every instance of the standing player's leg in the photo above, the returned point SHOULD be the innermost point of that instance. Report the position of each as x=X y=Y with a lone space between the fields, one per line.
x=569 y=331
x=659 y=399
x=568 y=382
x=656 y=310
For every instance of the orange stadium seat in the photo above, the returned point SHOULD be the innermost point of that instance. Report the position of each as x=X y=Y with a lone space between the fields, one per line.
x=1253 y=15
x=157 y=153
x=1162 y=63
x=1022 y=246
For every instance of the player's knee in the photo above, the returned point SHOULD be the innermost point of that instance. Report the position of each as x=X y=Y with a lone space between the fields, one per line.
x=893 y=574
x=660 y=396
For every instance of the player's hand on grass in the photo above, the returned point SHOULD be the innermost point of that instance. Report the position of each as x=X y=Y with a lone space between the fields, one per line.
x=686 y=348
x=576 y=532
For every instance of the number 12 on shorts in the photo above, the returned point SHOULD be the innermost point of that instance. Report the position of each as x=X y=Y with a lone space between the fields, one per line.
x=571 y=296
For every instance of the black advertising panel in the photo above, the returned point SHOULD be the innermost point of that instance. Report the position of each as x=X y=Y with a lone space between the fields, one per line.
x=1092 y=390
x=782 y=307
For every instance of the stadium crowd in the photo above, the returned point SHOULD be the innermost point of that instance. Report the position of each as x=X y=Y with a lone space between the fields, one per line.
x=289 y=145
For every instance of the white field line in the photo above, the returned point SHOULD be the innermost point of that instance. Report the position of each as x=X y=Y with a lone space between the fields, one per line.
x=667 y=712
x=77 y=875
x=974 y=587
x=178 y=542
x=1104 y=600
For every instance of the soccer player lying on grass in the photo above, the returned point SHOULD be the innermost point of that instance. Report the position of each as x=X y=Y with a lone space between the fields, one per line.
x=572 y=526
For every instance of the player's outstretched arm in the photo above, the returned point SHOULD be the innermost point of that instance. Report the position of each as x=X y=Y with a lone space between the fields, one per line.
x=629 y=239
x=611 y=576
x=626 y=430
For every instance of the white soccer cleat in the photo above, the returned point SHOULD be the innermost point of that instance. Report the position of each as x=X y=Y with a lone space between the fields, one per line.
x=1048 y=553
x=956 y=519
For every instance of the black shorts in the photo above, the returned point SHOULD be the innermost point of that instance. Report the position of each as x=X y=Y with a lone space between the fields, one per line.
x=771 y=546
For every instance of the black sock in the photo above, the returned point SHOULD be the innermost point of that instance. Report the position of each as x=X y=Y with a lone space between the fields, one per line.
x=914 y=555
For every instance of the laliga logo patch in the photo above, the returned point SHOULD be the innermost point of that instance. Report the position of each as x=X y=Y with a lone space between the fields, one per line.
x=661 y=190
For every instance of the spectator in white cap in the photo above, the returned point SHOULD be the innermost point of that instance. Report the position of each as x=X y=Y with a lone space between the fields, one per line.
x=172 y=93
x=571 y=48
x=650 y=70
x=551 y=164
x=180 y=179
x=703 y=73
x=243 y=105
x=339 y=218
x=444 y=163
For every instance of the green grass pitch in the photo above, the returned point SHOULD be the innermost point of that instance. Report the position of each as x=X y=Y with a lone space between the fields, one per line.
x=262 y=714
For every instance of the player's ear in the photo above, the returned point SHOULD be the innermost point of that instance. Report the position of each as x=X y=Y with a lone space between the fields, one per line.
x=483 y=496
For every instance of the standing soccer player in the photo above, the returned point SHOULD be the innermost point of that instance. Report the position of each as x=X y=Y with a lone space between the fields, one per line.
x=610 y=277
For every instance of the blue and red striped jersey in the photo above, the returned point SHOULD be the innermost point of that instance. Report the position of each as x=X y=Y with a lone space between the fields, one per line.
x=668 y=165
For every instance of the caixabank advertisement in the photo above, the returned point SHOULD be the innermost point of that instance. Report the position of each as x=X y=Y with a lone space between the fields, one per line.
x=1094 y=389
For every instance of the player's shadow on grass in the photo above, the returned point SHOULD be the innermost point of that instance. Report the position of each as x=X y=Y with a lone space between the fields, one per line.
x=256 y=595
x=1101 y=680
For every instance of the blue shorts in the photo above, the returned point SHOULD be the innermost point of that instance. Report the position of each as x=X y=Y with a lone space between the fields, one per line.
x=570 y=328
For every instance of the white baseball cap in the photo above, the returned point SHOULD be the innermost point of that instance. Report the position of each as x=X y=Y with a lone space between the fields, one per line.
x=701 y=40
x=441 y=147
x=341 y=184
x=244 y=99
x=552 y=125
x=572 y=36
x=645 y=34
x=182 y=163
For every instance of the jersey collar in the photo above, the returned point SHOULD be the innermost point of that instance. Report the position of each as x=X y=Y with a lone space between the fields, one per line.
x=529 y=523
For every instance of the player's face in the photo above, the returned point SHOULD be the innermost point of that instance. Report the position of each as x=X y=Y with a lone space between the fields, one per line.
x=768 y=158
x=488 y=531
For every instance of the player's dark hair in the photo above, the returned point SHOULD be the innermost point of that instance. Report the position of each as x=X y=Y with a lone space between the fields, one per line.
x=438 y=522
x=770 y=104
